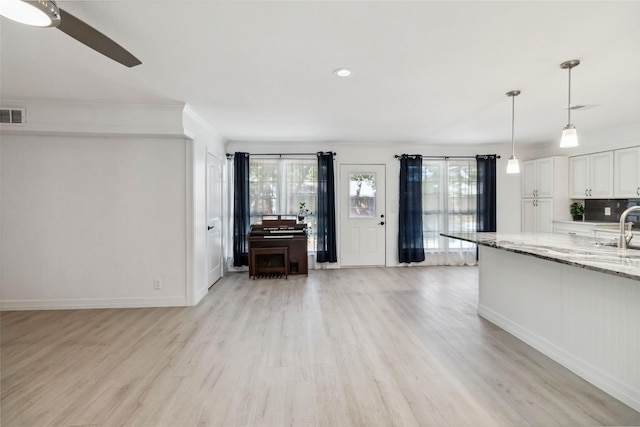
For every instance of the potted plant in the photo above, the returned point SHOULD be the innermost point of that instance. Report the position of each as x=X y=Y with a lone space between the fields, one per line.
x=577 y=211
x=303 y=211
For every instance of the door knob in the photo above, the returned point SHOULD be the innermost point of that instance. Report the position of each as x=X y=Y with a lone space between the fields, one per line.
x=210 y=227
x=381 y=222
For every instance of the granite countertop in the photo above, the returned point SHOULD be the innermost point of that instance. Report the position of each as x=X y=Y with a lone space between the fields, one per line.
x=584 y=252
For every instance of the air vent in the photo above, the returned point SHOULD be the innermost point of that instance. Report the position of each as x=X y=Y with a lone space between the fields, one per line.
x=12 y=115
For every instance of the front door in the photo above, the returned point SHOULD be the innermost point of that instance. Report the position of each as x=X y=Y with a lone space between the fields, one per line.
x=214 y=219
x=362 y=218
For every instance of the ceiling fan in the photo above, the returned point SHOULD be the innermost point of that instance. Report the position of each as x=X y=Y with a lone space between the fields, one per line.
x=45 y=13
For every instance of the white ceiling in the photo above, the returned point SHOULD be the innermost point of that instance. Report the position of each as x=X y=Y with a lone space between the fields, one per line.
x=424 y=72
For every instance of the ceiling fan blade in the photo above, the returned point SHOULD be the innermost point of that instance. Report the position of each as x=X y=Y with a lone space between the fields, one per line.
x=97 y=41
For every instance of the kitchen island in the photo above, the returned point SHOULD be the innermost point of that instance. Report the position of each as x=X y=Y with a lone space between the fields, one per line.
x=572 y=299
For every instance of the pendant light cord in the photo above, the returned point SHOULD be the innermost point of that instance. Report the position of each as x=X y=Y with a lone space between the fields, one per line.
x=513 y=118
x=569 y=104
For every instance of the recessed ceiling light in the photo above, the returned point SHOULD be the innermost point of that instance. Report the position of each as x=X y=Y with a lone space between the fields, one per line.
x=342 y=72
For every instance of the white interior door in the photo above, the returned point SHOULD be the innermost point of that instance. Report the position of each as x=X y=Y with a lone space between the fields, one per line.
x=362 y=218
x=214 y=219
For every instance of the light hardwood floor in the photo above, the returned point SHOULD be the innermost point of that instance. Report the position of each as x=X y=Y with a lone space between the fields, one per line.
x=350 y=347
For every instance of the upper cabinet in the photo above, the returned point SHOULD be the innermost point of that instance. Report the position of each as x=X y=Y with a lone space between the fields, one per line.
x=591 y=176
x=626 y=178
x=539 y=176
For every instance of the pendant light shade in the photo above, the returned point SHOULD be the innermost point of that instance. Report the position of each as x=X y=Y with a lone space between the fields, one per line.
x=512 y=165
x=40 y=13
x=569 y=137
x=569 y=134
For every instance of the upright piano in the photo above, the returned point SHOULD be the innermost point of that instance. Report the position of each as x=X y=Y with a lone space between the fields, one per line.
x=278 y=246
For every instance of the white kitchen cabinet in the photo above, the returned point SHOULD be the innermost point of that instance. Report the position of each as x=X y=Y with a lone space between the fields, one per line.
x=537 y=215
x=626 y=177
x=575 y=228
x=544 y=186
x=538 y=176
x=591 y=176
x=529 y=181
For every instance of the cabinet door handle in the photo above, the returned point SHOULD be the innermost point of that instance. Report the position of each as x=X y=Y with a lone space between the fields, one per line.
x=586 y=192
x=638 y=191
x=590 y=193
x=381 y=223
x=571 y=233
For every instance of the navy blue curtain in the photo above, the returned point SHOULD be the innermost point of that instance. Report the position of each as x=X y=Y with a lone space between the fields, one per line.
x=410 y=245
x=326 y=250
x=241 y=220
x=486 y=207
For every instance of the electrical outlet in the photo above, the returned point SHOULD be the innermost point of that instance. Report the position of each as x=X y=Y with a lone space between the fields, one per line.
x=607 y=210
x=157 y=284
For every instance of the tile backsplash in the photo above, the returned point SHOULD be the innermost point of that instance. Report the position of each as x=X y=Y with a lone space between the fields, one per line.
x=594 y=210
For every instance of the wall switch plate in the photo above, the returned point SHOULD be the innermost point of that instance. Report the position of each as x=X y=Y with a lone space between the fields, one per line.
x=157 y=284
x=607 y=210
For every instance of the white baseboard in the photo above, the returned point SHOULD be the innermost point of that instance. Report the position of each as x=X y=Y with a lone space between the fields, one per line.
x=621 y=391
x=72 y=304
x=200 y=293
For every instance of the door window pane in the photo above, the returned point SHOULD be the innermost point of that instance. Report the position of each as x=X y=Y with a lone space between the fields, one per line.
x=362 y=195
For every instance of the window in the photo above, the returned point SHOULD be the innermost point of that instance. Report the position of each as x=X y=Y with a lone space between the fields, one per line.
x=449 y=195
x=278 y=186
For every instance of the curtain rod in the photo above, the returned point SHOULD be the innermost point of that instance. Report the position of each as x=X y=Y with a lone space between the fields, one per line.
x=230 y=155
x=397 y=156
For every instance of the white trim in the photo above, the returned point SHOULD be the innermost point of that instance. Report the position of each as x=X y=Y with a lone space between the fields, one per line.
x=88 y=303
x=189 y=221
x=199 y=294
x=188 y=111
x=222 y=160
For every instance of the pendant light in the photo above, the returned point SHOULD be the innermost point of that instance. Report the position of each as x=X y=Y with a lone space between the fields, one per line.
x=569 y=134
x=512 y=164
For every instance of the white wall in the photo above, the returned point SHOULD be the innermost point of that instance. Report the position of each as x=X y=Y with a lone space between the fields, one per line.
x=97 y=201
x=92 y=221
x=508 y=186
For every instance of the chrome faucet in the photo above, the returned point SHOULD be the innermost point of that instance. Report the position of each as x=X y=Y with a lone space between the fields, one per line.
x=625 y=236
